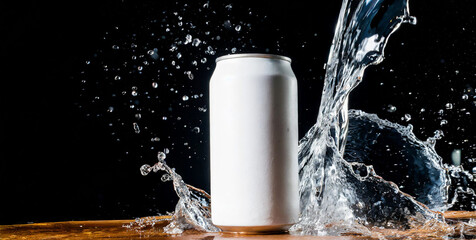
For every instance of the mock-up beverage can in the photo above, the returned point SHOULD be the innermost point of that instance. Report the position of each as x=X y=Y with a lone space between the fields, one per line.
x=254 y=143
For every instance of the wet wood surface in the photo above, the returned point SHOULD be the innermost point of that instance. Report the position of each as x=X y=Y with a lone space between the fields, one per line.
x=115 y=229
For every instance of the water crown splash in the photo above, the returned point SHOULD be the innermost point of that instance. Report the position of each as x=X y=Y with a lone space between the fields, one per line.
x=338 y=196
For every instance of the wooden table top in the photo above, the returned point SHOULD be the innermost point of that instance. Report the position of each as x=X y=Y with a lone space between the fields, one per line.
x=114 y=229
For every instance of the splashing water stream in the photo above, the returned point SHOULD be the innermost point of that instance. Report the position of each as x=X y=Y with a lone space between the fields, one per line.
x=332 y=193
x=193 y=207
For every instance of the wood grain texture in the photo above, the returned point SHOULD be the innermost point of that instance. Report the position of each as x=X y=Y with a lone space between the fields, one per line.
x=114 y=229
x=460 y=214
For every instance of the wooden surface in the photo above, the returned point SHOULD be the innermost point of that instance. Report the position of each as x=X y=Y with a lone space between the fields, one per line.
x=460 y=214
x=114 y=229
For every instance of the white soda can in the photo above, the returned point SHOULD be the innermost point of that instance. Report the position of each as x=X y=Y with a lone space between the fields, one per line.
x=254 y=143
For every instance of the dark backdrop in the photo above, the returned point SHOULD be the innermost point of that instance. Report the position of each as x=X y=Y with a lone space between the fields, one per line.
x=59 y=163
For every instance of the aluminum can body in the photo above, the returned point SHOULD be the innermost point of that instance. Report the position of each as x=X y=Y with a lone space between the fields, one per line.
x=254 y=143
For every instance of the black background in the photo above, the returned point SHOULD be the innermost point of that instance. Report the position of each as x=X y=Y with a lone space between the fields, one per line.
x=57 y=163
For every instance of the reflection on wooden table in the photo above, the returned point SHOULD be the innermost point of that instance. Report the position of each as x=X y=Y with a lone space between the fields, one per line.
x=114 y=229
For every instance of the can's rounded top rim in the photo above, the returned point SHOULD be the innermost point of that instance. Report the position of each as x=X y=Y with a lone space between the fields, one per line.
x=253 y=55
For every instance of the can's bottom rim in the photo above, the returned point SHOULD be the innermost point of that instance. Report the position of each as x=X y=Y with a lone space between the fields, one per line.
x=268 y=229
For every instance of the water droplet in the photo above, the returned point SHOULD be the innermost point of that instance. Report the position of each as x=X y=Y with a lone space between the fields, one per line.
x=205 y=5
x=145 y=169
x=115 y=47
x=196 y=42
x=210 y=50
x=438 y=134
x=408 y=117
x=229 y=7
x=164 y=118
x=155 y=139
x=465 y=97
x=189 y=75
x=185 y=98
x=134 y=93
x=196 y=130
x=166 y=177
x=155 y=84
x=238 y=28
x=161 y=156
x=188 y=39
x=391 y=108
x=179 y=55
x=139 y=68
x=136 y=127
x=194 y=63
x=151 y=52
x=88 y=62
x=233 y=50
x=443 y=122
x=203 y=60
x=173 y=47
x=110 y=109
x=456 y=157
x=411 y=20
x=449 y=106
x=138 y=116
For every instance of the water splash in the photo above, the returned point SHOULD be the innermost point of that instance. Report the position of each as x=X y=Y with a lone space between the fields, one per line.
x=193 y=207
x=334 y=192
x=156 y=68
x=341 y=157
x=338 y=196
x=396 y=153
